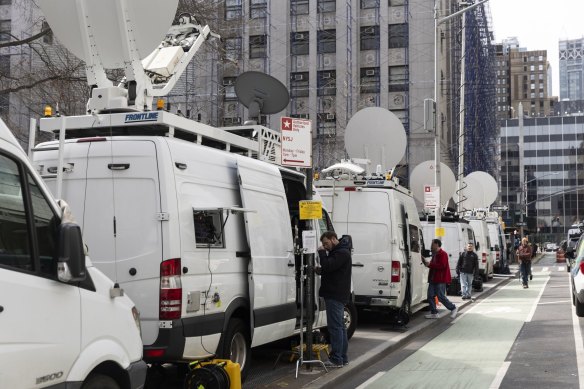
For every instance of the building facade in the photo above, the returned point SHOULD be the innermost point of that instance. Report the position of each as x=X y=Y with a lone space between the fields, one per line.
x=571 y=69
x=550 y=192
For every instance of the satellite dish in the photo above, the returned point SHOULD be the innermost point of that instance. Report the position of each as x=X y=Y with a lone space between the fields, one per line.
x=424 y=174
x=480 y=190
x=378 y=135
x=347 y=166
x=149 y=19
x=261 y=93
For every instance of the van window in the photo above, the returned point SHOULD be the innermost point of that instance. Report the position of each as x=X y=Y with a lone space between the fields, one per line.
x=471 y=238
x=325 y=223
x=414 y=239
x=209 y=228
x=15 y=247
x=46 y=227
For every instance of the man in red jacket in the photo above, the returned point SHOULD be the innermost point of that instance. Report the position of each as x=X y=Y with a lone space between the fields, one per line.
x=437 y=279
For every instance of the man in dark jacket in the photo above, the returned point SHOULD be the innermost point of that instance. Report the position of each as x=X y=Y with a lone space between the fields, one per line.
x=467 y=267
x=437 y=279
x=335 y=288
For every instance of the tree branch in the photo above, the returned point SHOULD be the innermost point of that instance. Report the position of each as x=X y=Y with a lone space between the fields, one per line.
x=25 y=41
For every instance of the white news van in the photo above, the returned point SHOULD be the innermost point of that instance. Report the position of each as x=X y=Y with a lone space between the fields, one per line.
x=202 y=239
x=63 y=323
x=497 y=238
x=381 y=217
x=483 y=248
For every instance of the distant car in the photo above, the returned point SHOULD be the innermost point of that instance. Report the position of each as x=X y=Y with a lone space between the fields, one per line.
x=577 y=279
x=549 y=247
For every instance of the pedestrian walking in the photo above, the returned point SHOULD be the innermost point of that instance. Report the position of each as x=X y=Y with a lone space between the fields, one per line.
x=335 y=289
x=467 y=268
x=438 y=277
x=524 y=256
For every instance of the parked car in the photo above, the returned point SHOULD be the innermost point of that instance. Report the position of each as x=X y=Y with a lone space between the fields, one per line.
x=577 y=279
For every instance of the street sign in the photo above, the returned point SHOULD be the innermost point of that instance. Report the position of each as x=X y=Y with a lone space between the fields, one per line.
x=431 y=194
x=296 y=141
x=310 y=210
x=500 y=208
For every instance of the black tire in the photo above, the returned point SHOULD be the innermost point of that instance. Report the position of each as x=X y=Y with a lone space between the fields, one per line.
x=579 y=308
x=236 y=346
x=350 y=318
x=100 y=381
x=484 y=276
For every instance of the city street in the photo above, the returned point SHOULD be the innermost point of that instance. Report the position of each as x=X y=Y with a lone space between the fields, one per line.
x=508 y=338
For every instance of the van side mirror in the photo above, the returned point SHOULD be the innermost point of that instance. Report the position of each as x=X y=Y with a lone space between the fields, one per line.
x=71 y=265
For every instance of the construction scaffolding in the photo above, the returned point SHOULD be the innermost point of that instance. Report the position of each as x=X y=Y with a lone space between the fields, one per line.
x=480 y=108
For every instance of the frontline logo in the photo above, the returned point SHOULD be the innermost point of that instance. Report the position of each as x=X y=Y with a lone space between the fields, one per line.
x=141 y=117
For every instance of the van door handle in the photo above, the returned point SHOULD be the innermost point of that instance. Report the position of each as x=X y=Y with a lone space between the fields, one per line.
x=118 y=166
x=358 y=264
x=290 y=264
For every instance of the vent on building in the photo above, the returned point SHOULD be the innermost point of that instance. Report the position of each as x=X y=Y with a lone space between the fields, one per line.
x=299 y=62
x=326 y=75
x=299 y=77
x=299 y=36
x=327 y=61
x=370 y=58
x=230 y=121
x=330 y=116
x=369 y=72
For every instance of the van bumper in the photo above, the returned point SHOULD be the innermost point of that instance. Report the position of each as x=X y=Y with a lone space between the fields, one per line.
x=137 y=374
x=169 y=346
x=376 y=301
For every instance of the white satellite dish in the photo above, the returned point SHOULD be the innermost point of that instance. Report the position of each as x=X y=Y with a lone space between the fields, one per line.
x=480 y=190
x=378 y=135
x=105 y=21
x=424 y=174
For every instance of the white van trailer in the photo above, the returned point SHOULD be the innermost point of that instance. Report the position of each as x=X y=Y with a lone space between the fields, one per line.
x=63 y=322
x=483 y=248
x=381 y=216
x=202 y=239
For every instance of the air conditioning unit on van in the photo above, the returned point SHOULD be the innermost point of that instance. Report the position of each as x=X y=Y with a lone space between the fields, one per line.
x=370 y=72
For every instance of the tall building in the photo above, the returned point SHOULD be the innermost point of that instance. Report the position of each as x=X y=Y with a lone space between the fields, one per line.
x=571 y=69
x=551 y=194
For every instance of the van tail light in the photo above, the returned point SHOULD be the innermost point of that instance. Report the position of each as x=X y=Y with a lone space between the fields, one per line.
x=170 y=290
x=498 y=255
x=582 y=267
x=484 y=257
x=395 y=271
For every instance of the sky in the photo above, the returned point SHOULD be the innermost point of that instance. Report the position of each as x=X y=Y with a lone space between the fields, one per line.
x=539 y=25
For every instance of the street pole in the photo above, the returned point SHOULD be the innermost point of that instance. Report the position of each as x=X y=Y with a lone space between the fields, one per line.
x=461 y=136
x=521 y=167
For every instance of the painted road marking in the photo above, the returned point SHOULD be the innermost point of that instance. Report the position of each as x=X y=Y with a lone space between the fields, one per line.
x=554 y=302
x=371 y=380
x=500 y=375
x=579 y=344
x=530 y=316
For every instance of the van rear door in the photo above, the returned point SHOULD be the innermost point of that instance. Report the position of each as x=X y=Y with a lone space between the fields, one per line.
x=272 y=285
x=122 y=225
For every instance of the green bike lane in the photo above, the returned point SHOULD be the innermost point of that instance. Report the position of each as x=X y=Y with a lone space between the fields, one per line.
x=472 y=351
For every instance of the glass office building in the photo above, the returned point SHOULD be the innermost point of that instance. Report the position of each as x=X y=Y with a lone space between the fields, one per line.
x=550 y=193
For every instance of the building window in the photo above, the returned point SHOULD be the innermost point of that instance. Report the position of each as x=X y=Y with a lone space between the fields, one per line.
x=229 y=85
x=398 y=35
x=370 y=38
x=540 y=67
x=326 y=6
x=232 y=9
x=5 y=28
x=369 y=4
x=327 y=83
x=398 y=78
x=369 y=80
x=258 y=9
x=257 y=46
x=233 y=48
x=299 y=7
x=299 y=84
x=327 y=41
x=299 y=43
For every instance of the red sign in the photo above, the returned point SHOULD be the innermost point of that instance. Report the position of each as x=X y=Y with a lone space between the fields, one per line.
x=285 y=124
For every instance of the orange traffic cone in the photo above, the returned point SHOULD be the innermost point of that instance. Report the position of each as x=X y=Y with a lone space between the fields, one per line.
x=436 y=301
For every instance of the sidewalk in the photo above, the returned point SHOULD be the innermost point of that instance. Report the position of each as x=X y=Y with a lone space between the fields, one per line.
x=370 y=342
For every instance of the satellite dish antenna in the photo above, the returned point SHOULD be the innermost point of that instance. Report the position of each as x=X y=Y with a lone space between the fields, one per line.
x=91 y=29
x=261 y=93
x=376 y=135
x=480 y=190
x=424 y=174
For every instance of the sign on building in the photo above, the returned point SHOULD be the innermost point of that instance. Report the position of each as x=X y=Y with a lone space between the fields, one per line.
x=296 y=141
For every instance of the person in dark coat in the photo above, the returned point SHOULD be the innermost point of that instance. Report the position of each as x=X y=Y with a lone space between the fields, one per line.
x=467 y=267
x=524 y=253
x=438 y=277
x=335 y=289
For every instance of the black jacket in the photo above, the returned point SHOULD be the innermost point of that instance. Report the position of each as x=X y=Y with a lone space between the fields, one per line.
x=468 y=262
x=335 y=282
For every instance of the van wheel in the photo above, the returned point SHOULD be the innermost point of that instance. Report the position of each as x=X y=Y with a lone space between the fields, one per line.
x=579 y=308
x=350 y=318
x=100 y=381
x=235 y=345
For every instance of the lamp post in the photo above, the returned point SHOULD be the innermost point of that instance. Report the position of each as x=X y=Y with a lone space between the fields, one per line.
x=437 y=123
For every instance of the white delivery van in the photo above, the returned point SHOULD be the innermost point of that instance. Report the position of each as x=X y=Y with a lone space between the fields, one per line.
x=63 y=323
x=483 y=248
x=457 y=234
x=498 y=251
x=381 y=217
x=203 y=240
